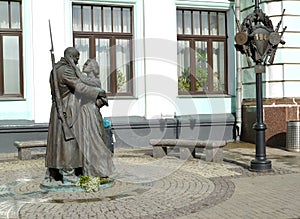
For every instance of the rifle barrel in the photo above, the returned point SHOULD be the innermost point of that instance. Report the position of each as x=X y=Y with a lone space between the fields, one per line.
x=68 y=134
x=52 y=48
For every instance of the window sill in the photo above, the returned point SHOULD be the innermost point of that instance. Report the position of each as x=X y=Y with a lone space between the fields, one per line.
x=6 y=98
x=122 y=98
x=204 y=96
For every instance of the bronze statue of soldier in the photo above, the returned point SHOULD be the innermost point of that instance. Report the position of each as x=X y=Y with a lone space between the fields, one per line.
x=63 y=155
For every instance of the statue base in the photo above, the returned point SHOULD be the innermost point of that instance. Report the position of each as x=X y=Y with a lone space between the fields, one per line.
x=59 y=186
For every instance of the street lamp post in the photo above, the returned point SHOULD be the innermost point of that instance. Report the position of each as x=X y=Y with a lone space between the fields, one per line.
x=257 y=39
x=260 y=163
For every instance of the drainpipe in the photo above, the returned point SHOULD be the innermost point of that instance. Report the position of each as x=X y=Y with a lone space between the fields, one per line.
x=145 y=75
x=238 y=83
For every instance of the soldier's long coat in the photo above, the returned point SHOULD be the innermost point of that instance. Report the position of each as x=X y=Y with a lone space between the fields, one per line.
x=61 y=153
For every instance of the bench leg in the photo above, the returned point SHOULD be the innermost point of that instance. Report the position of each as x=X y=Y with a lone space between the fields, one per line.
x=24 y=154
x=159 y=152
x=214 y=154
x=186 y=153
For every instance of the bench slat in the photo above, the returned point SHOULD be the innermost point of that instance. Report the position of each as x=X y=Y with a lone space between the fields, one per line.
x=30 y=144
x=24 y=152
x=186 y=143
x=213 y=148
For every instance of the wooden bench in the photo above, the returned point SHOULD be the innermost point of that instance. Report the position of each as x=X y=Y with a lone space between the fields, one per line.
x=24 y=152
x=213 y=149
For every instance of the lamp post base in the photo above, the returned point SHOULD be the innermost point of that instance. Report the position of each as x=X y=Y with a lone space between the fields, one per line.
x=260 y=165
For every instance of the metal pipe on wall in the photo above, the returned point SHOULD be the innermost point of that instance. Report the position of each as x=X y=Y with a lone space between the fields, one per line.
x=239 y=94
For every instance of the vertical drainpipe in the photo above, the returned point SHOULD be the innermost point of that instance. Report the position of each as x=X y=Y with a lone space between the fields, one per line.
x=145 y=75
x=238 y=83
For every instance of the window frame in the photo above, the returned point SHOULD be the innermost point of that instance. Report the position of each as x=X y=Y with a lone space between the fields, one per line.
x=12 y=32
x=112 y=36
x=209 y=39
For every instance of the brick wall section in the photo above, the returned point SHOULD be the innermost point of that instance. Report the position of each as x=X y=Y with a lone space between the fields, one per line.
x=276 y=114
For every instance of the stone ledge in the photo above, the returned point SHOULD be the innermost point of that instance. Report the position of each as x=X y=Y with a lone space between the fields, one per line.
x=24 y=152
x=213 y=149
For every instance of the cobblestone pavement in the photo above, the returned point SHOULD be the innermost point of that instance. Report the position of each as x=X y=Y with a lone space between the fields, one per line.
x=161 y=188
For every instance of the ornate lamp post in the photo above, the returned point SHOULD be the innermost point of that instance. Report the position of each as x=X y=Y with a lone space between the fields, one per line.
x=257 y=39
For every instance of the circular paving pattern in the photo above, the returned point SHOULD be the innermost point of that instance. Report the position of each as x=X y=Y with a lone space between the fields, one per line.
x=182 y=191
x=173 y=195
x=144 y=187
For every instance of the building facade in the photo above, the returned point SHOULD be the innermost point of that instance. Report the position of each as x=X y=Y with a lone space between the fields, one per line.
x=170 y=67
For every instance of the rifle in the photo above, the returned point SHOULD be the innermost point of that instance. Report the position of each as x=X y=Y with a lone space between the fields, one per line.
x=274 y=49
x=68 y=134
x=243 y=47
x=279 y=23
x=273 y=52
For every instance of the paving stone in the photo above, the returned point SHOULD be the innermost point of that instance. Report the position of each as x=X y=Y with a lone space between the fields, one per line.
x=168 y=187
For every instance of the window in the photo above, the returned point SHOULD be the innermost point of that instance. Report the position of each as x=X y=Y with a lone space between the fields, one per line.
x=201 y=52
x=11 y=70
x=105 y=33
